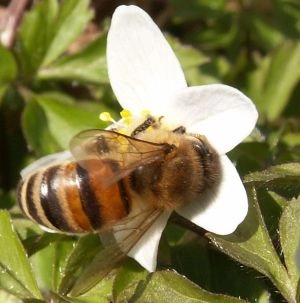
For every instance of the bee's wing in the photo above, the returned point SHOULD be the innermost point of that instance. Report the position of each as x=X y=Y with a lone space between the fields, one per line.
x=126 y=153
x=46 y=161
x=115 y=252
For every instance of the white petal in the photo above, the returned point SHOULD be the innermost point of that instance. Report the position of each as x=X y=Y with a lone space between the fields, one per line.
x=143 y=69
x=220 y=112
x=46 y=161
x=145 y=251
x=226 y=208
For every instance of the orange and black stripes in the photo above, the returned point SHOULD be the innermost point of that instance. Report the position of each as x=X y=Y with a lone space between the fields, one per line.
x=90 y=204
x=30 y=208
x=50 y=202
x=30 y=201
x=74 y=198
x=103 y=204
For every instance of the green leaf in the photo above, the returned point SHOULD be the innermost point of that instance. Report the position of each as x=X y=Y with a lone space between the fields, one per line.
x=82 y=254
x=281 y=202
x=88 y=65
x=215 y=272
x=188 y=56
x=61 y=254
x=35 y=243
x=168 y=286
x=15 y=272
x=3 y=88
x=36 y=130
x=101 y=293
x=34 y=301
x=49 y=263
x=100 y=268
x=272 y=84
x=192 y=10
x=8 y=298
x=48 y=29
x=198 y=269
x=251 y=245
x=66 y=120
x=270 y=205
x=8 y=65
x=287 y=16
x=70 y=21
x=282 y=78
x=292 y=139
x=127 y=280
x=81 y=257
x=289 y=231
x=278 y=175
x=190 y=59
x=265 y=34
x=8 y=70
x=35 y=35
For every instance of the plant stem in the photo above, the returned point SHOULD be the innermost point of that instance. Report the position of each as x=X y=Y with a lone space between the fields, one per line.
x=10 y=22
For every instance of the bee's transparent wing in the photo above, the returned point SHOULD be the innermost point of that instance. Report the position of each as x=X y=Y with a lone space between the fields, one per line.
x=126 y=153
x=46 y=161
x=116 y=250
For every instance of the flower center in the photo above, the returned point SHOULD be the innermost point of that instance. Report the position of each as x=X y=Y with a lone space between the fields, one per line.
x=134 y=125
x=130 y=124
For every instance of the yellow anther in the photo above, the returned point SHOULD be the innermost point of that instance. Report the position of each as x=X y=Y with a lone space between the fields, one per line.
x=125 y=113
x=106 y=117
x=127 y=116
x=127 y=121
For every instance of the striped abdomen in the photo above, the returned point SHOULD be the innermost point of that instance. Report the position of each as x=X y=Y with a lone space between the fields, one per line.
x=70 y=198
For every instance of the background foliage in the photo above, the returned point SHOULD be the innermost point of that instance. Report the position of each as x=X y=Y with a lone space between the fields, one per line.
x=53 y=84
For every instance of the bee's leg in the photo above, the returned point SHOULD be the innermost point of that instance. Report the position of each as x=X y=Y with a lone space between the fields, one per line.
x=179 y=130
x=142 y=127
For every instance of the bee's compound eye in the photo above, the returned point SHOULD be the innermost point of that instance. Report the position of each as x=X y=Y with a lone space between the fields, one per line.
x=200 y=148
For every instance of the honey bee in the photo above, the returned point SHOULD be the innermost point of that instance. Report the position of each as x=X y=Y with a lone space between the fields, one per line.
x=114 y=178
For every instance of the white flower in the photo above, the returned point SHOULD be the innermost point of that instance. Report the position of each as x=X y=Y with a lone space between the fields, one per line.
x=145 y=74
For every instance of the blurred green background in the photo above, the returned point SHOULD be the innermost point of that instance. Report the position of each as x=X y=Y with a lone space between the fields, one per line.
x=54 y=83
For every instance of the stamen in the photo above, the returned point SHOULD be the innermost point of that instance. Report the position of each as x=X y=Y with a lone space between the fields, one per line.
x=126 y=115
x=106 y=117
